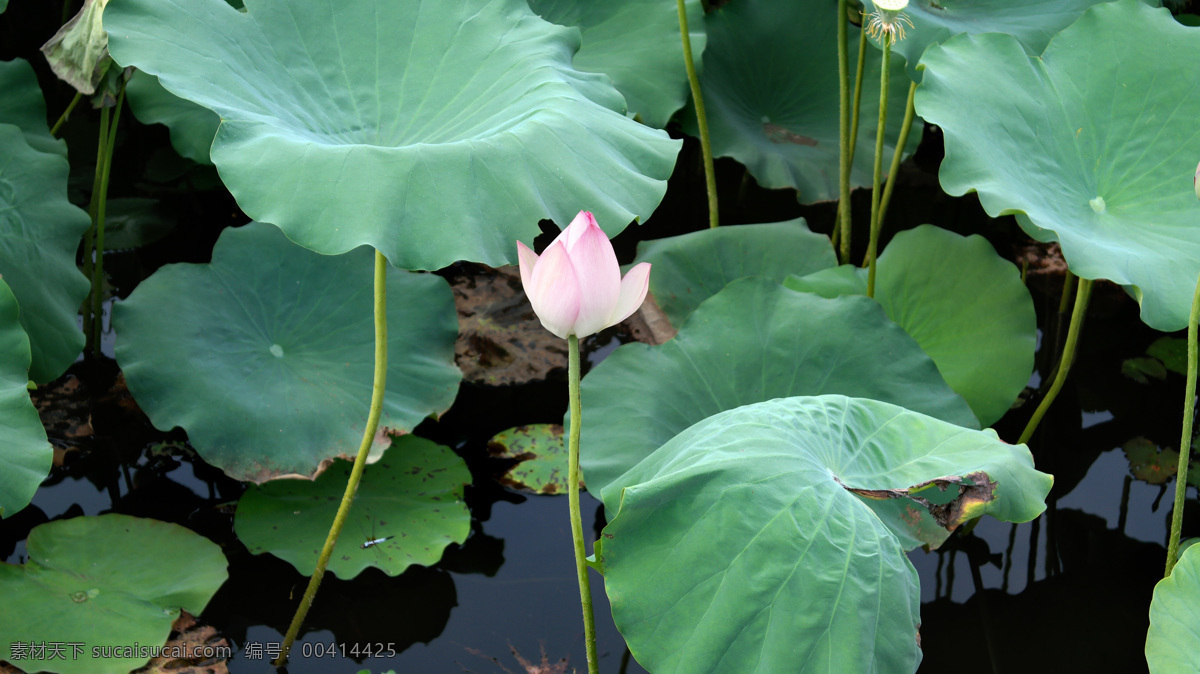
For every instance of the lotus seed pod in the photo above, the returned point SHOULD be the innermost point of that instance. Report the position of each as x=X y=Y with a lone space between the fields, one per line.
x=891 y=5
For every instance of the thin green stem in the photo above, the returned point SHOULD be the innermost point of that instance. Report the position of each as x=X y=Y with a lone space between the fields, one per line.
x=710 y=178
x=873 y=242
x=858 y=88
x=66 y=114
x=360 y=461
x=894 y=170
x=89 y=239
x=1083 y=293
x=843 y=134
x=1185 y=441
x=585 y=590
x=101 y=207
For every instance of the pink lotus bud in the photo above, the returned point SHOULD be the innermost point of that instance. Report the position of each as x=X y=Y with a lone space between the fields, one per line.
x=575 y=287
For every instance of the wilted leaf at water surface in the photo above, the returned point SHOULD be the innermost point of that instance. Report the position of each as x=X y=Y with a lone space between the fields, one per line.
x=753 y=341
x=412 y=498
x=541 y=454
x=269 y=366
x=1093 y=144
x=745 y=543
x=432 y=132
x=112 y=580
x=771 y=95
x=25 y=456
x=1150 y=463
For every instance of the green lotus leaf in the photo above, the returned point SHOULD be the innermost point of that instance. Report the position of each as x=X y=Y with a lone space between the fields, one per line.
x=192 y=127
x=753 y=341
x=112 y=581
x=690 y=268
x=23 y=105
x=964 y=304
x=1173 y=641
x=749 y=542
x=412 y=498
x=541 y=454
x=637 y=44
x=1093 y=144
x=3 y=5
x=39 y=233
x=432 y=133
x=770 y=86
x=1172 y=351
x=135 y=222
x=1032 y=22
x=25 y=455
x=265 y=356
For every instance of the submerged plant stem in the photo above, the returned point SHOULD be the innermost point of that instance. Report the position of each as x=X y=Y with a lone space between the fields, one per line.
x=1083 y=293
x=585 y=590
x=710 y=178
x=843 y=229
x=909 y=114
x=873 y=242
x=1185 y=440
x=98 y=220
x=360 y=461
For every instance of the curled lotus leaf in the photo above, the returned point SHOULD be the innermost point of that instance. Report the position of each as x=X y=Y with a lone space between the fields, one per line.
x=772 y=537
x=429 y=131
x=25 y=455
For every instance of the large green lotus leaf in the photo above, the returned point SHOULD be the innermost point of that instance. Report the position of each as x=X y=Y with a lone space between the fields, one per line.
x=25 y=455
x=1173 y=641
x=107 y=581
x=39 y=233
x=22 y=104
x=753 y=341
x=748 y=543
x=412 y=498
x=265 y=356
x=1094 y=144
x=433 y=132
x=770 y=85
x=963 y=303
x=1032 y=22
x=637 y=44
x=690 y=268
x=192 y=126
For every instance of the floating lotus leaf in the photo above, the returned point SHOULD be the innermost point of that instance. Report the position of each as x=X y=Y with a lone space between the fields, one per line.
x=1094 y=144
x=963 y=303
x=753 y=341
x=25 y=456
x=192 y=127
x=412 y=498
x=39 y=233
x=541 y=454
x=431 y=132
x=265 y=356
x=690 y=268
x=1173 y=641
x=750 y=542
x=770 y=86
x=22 y=104
x=1032 y=22
x=110 y=581
x=637 y=44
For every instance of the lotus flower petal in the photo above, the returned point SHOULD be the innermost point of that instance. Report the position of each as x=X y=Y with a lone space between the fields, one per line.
x=633 y=292
x=596 y=264
x=554 y=291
